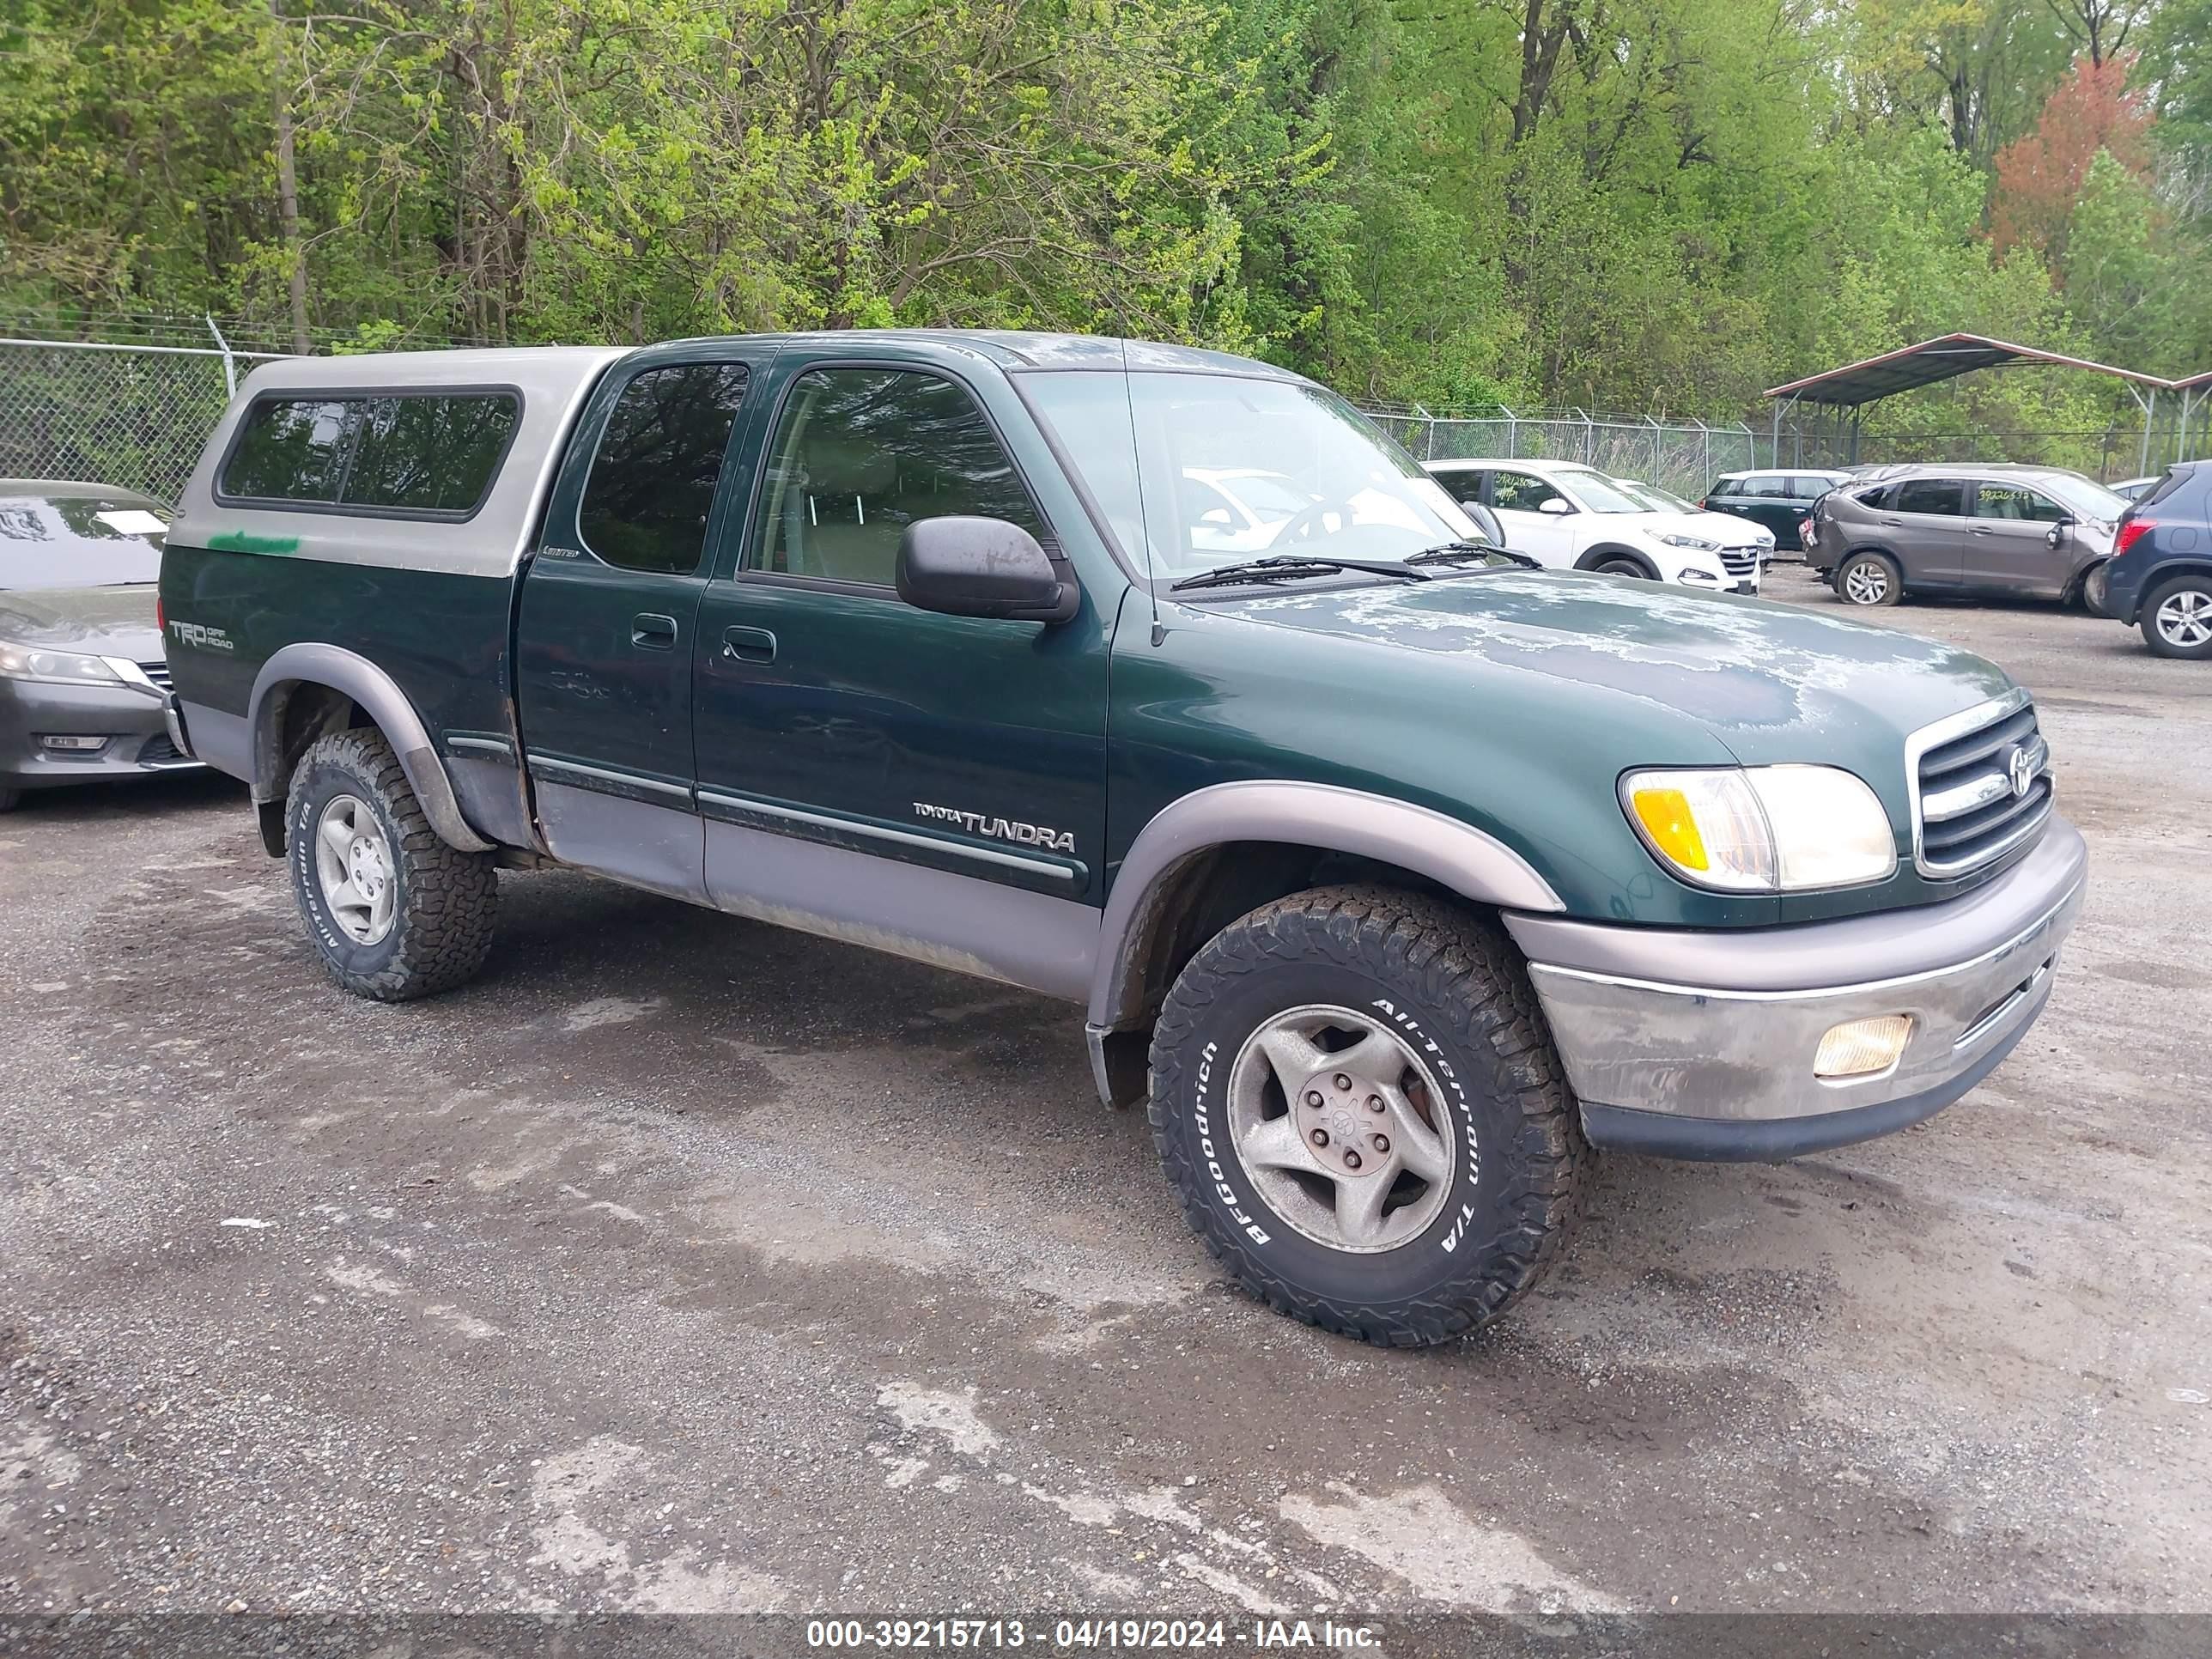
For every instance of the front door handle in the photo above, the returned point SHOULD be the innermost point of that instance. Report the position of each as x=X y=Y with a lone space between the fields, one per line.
x=1894 y=523
x=649 y=632
x=1980 y=529
x=749 y=644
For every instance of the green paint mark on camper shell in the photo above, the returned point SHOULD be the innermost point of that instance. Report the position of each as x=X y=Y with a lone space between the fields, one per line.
x=241 y=541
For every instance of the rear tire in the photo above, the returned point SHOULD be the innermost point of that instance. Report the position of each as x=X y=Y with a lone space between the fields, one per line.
x=1869 y=579
x=393 y=911
x=9 y=798
x=1369 y=994
x=2176 y=618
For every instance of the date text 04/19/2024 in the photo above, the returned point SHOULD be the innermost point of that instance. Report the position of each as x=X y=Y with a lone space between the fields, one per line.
x=1114 y=1634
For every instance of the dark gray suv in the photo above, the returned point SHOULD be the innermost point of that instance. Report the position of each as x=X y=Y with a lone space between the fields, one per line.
x=2029 y=532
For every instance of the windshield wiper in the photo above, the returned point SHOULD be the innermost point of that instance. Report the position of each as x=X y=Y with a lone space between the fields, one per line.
x=1281 y=565
x=1457 y=552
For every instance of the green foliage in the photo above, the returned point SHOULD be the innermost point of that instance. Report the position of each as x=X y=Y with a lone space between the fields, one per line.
x=1645 y=205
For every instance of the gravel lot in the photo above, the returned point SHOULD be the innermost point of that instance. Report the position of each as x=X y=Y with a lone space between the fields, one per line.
x=682 y=1263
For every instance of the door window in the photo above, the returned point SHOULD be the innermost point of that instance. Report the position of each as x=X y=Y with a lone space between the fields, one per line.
x=1521 y=492
x=1809 y=489
x=2006 y=501
x=652 y=485
x=1767 y=486
x=1465 y=483
x=861 y=453
x=1941 y=497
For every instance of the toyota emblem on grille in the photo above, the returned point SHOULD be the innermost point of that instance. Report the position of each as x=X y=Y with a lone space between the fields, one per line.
x=2019 y=767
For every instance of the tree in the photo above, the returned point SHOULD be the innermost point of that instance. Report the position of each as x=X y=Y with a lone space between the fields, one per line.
x=2039 y=176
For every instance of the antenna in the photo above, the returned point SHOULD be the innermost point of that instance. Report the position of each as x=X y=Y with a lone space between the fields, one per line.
x=1143 y=512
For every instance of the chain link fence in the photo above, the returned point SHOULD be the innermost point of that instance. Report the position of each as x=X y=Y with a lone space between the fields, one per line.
x=1684 y=457
x=131 y=415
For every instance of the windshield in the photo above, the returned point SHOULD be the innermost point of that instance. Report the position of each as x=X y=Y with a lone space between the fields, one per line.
x=78 y=541
x=1194 y=471
x=2091 y=500
x=1594 y=492
x=1660 y=500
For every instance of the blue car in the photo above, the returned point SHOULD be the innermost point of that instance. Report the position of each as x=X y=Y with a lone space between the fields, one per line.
x=2160 y=576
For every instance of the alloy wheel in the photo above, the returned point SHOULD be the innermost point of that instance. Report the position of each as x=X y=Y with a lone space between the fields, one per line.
x=2184 y=619
x=1342 y=1128
x=1866 y=583
x=355 y=868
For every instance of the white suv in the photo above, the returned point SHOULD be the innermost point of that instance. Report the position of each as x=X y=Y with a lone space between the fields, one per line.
x=1569 y=516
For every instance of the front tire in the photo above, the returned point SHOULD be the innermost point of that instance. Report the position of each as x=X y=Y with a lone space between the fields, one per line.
x=1620 y=565
x=2176 y=618
x=1355 y=1096
x=393 y=911
x=9 y=798
x=1868 y=580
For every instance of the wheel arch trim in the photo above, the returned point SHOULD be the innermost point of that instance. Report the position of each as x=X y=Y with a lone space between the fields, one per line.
x=1328 y=818
x=335 y=668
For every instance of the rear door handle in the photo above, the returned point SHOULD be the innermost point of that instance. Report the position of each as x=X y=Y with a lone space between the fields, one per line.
x=749 y=644
x=649 y=632
x=1980 y=529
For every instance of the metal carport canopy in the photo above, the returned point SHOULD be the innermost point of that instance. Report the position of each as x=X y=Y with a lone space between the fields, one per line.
x=1939 y=359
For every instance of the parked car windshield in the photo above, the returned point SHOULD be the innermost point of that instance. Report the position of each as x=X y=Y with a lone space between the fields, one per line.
x=78 y=541
x=1595 y=493
x=1195 y=471
x=1660 y=500
x=2091 y=500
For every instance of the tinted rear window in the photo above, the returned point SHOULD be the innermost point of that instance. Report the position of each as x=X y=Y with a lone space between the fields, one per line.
x=289 y=449
x=428 y=454
x=86 y=541
x=2174 y=478
x=381 y=453
x=651 y=483
x=1941 y=496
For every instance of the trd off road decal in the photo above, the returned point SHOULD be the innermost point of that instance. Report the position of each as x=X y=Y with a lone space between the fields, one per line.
x=1201 y=1116
x=1407 y=1024
x=982 y=824
x=201 y=638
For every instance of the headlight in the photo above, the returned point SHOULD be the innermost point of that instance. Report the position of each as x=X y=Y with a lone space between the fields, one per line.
x=1677 y=538
x=1762 y=829
x=28 y=662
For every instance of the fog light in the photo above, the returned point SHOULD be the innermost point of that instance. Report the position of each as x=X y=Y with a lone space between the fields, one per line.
x=1860 y=1047
x=72 y=746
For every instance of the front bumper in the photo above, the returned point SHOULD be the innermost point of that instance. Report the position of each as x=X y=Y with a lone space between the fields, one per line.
x=133 y=724
x=1701 y=1045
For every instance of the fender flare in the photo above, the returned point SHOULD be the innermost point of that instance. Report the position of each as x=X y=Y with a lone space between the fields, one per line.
x=1468 y=861
x=310 y=663
x=1604 y=550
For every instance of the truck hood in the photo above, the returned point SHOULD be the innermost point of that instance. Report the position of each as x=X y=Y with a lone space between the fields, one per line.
x=96 y=622
x=1772 y=683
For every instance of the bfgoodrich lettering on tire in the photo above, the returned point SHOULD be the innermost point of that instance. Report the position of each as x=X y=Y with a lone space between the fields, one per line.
x=1354 y=1093
x=393 y=912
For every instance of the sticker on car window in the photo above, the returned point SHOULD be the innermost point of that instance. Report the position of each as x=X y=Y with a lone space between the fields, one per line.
x=132 y=521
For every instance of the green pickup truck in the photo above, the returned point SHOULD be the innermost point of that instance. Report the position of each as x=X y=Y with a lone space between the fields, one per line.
x=1394 y=875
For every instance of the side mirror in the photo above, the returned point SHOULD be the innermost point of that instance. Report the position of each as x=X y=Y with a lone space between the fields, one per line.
x=963 y=566
x=2057 y=534
x=1555 y=505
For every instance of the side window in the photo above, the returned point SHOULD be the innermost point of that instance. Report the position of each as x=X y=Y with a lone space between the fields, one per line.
x=1809 y=489
x=652 y=485
x=1879 y=496
x=2006 y=501
x=1724 y=488
x=1767 y=486
x=1464 y=484
x=289 y=449
x=1939 y=496
x=1521 y=492
x=861 y=453
x=429 y=454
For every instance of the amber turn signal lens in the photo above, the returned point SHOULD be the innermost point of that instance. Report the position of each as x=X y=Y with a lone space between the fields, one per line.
x=1667 y=819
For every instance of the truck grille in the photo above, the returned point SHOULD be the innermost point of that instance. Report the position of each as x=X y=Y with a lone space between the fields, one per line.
x=1981 y=786
x=158 y=673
